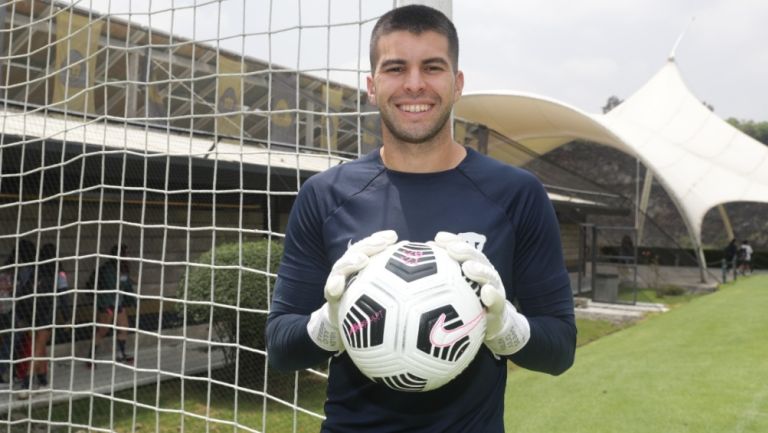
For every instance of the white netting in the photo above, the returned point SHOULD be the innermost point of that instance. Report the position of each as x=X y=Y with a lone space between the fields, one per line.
x=182 y=130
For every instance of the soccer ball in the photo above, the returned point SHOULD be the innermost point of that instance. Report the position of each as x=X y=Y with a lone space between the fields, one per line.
x=411 y=319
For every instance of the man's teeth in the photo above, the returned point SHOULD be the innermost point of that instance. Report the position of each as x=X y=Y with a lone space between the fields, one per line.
x=414 y=108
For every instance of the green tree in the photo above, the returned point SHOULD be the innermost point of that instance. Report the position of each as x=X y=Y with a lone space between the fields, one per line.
x=232 y=294
x=756 y=130
x=612 y=102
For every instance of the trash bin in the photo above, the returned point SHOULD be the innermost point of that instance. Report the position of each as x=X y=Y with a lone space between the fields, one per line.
x=605 y=288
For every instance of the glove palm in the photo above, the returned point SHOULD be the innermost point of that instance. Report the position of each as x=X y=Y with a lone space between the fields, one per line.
x=507 y=331
x=323 y=324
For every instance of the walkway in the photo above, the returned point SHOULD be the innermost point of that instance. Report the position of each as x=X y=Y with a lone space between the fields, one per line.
x=73 y=380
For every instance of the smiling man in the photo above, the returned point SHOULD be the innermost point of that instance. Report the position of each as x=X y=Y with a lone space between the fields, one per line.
x=423 y=186
x=415 y=84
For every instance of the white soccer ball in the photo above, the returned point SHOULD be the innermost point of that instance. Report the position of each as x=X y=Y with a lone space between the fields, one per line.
x=411 y=319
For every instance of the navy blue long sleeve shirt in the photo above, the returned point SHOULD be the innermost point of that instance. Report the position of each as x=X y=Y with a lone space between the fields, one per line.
x=504 y=211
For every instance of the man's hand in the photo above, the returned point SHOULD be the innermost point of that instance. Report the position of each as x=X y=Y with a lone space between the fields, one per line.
x=507 y=331
x=323 y=324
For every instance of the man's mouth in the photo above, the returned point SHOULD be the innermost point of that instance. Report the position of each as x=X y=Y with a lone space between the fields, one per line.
x=414 y=108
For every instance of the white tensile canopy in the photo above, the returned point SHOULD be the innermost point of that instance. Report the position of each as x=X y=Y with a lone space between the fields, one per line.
x=699 y=159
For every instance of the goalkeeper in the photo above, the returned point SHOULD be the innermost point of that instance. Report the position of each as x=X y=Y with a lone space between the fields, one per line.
x=422 y=186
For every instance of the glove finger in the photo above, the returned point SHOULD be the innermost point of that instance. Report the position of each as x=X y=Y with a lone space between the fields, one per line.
x=482 y=273
x=443 y=239
x=457 y=248
x=493 y=299
x=334 y=287
x=462 y=251
x=375 y=243
x=351 y=262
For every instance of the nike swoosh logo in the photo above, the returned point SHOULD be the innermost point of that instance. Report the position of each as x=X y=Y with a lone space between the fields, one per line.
x=441 y=337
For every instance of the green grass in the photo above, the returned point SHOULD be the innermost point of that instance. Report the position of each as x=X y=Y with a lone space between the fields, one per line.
x=592 y=330
x=650 y=295
x=699 y=368
x=116 y=413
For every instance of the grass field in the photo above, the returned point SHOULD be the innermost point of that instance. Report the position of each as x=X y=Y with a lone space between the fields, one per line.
x=702 y=367
x=699 y=368
x=184 y=407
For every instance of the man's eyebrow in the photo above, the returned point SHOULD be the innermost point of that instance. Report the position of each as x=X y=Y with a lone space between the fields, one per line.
x=400 y=62
x=392 y=62
x=433 y=60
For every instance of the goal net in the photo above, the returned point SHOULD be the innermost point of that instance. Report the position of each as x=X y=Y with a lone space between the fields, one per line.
x=150 y=151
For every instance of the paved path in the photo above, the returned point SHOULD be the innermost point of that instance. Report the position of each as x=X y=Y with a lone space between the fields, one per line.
x=618 y=312
x=72 y=380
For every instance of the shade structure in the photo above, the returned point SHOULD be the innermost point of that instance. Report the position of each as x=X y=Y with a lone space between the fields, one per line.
x=700 y=160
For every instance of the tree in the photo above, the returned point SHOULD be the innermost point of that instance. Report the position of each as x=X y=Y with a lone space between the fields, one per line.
x=756 y=130
x=612 y=103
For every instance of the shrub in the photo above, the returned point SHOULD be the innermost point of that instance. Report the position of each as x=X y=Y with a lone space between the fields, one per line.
x=669 y=291
x=243 y=284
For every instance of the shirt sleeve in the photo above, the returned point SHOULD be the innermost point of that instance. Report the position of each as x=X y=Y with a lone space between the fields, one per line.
x=298 y=292
x=542 y=287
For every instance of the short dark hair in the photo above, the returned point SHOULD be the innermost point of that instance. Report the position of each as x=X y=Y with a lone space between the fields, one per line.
x=415 y=19
x=26 y=253
x=118 y=250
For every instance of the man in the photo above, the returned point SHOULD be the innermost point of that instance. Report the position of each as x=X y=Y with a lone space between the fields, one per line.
x=745 y=257
x=15 y=314
x=114 y=292
x=422 y=186
x=40 y=311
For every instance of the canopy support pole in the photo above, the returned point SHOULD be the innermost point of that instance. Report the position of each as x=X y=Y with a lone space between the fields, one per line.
x=726 y=222
x=643 y=205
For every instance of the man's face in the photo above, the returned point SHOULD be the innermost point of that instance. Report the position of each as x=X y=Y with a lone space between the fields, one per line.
x=414 y=85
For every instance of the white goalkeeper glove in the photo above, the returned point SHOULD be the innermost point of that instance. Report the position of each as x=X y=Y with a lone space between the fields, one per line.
x=507 y=331
x=323 y=326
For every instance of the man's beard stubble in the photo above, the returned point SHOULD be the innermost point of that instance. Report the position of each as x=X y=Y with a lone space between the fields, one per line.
x=403 y=135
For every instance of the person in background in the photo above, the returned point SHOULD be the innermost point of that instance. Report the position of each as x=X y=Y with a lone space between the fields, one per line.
x=6 y=322
x=41 y=313
x=729 y=253
x=18 y=276
x=745 y=257
x=114 y=290
x=627 y=250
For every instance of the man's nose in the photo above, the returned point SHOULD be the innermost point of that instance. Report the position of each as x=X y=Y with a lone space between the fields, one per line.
x=414 y=81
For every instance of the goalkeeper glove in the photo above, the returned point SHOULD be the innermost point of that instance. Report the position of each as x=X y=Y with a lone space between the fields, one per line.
x=507 y=331
x=323 y=326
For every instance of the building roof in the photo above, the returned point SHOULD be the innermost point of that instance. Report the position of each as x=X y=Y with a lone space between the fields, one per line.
x=700 y=160
x=152 y=142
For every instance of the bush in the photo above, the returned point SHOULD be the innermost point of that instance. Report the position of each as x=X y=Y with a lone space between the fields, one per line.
x=669 y=291
x=244 y=284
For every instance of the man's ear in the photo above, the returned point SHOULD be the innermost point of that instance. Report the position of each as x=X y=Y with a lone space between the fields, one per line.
x=458 y=86
x=371 y=90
